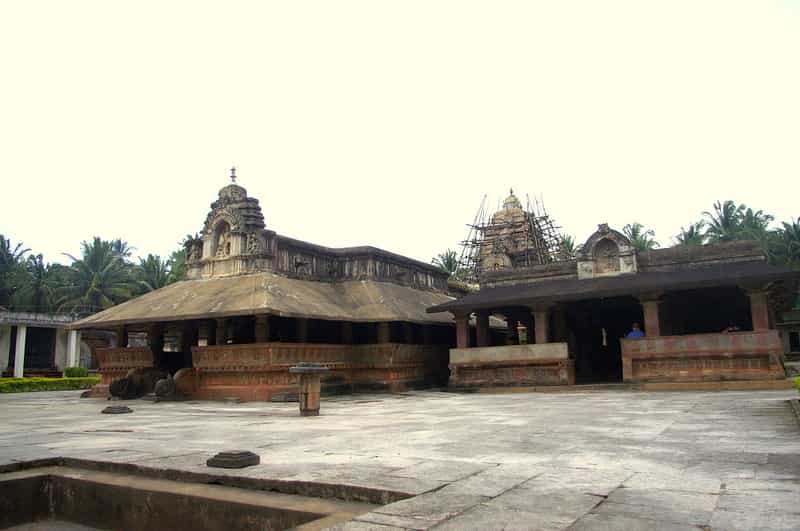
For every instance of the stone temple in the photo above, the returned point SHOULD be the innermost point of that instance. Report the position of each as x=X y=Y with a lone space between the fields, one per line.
x=708 y=314
x=256 y=302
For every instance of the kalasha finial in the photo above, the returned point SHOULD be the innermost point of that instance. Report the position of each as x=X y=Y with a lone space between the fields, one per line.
x=233 y=174
x=511 y=191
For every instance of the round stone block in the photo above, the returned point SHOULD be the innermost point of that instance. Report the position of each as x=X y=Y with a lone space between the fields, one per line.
x=234 y=459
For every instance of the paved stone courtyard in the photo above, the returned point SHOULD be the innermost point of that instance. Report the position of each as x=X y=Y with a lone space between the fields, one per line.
x=578 y=460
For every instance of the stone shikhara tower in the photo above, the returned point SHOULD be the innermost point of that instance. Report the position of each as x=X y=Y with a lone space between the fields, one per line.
x=234 y=240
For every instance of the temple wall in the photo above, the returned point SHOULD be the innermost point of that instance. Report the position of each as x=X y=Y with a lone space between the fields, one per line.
x=703 y=357
x=259 y=371
x=299 y=259
x=512 y=365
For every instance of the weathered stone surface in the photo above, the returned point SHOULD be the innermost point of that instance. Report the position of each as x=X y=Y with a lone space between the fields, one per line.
x=612 y=522
x=560 y=446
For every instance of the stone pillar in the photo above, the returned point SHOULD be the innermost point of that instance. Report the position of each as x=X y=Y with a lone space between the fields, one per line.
x=759 y=309
x=73 y=348
x=462 y=331
x=19 y=352
x=541 y=326
x=408 y=333
x=384 y=332
x=155 y=340
x=190 y=335
x=482 y=328
x=220 y=335
x=310 y=386
x=262 y=329
x=347 y=333
x=652 y=319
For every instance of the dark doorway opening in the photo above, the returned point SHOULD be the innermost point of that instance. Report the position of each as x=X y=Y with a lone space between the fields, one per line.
x=40 y=346
x=596 y=327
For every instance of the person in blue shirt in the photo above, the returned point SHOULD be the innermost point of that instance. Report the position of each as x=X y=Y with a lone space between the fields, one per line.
x=635 y=333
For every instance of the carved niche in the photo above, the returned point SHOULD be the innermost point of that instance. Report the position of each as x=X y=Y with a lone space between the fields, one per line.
x=607 y=252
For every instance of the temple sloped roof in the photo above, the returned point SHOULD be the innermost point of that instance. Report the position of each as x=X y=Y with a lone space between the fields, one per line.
x=268 y=293
x=573 y=289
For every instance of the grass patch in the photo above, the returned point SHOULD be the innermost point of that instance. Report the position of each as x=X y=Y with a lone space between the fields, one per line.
x=797 y=382
x=25 y=385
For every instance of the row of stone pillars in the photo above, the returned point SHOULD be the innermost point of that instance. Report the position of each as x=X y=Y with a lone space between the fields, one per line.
x=73 y=350
x=217 y=330
x=759 y=310
x=539 y=320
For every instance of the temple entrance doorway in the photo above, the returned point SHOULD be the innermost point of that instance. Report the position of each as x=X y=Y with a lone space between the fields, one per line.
x=596 y=327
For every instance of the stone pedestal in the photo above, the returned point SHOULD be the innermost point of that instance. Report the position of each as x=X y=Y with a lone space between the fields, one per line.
x=309 y=388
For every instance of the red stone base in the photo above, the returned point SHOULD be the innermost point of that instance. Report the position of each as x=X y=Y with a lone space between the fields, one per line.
x=544 y=371
x=257 y=372
x=703 y=357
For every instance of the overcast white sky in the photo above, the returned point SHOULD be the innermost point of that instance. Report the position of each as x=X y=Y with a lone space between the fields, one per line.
x=385 y=123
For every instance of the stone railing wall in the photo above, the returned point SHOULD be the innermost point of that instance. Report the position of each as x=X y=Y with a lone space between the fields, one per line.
x=703 y=357
x=114 y=363
x=259 y=371
x=512 y=365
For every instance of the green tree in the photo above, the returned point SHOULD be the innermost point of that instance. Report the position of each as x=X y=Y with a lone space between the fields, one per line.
x=122 y=249
x=692 y=235
x=447 y=261
x=177 y=266
x=754 y=224
x=642 y=239
x=725 y=223
x=151 y=273
x=12 y=258
x=784 y=244
x=97 y=280
x=37 y=290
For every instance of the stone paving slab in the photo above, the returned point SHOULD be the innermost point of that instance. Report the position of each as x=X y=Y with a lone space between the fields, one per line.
x=589 y=460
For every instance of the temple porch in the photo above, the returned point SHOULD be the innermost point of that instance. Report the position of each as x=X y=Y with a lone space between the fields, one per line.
x=699 y=335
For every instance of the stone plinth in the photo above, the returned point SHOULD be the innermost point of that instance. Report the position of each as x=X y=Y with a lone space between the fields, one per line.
x=259 y=371
x=309 y=387
x=512 y=365
x=234 y=459
x=703 y=357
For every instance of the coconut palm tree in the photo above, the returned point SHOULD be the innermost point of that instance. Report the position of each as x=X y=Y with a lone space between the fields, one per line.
x=642 y=239
x=754 y=224
x=784 y=245
x=38 y=286
x=11 y=260
x=152 y=273
x=568 y=249
x=177 y=266
x=725 y=223
x=693 y=235
x=97 y=280
x=447 y=261
x=122 y=249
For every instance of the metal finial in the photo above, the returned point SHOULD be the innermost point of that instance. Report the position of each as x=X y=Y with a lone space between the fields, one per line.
x=511 y=191
x=233 y=174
